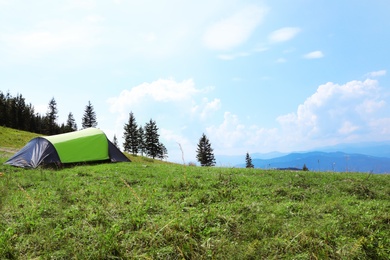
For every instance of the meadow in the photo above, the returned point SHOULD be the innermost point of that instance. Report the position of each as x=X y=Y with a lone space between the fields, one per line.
x=148 y=209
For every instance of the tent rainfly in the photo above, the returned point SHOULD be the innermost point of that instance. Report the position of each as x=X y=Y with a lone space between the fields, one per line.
x=86 y=145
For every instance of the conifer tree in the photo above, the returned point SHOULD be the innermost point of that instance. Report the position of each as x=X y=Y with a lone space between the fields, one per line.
x=21 y=110
x=204 y=152
x=248 y=161
x=163 y=152
x=89 y=117
x=15 y=113
x=130 y=135
x=141 y=140
x=151 y=139
x=51 y=117
x=71 y=125
x=115 y=142
x=3 y=110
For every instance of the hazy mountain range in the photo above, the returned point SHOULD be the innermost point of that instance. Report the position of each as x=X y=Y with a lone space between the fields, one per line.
x=363 y=157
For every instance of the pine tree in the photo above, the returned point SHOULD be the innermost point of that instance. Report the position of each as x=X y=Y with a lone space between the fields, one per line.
x=71 y=125
x=248 y=161
x=21 y=112
x=115 y=142
x=3 y=110
x=130 y=135
x=51 y=117
x=204 y=152
x=163 y=152
x=151 y=139
x=141 y=140
x=15 y=113
x=89 y=117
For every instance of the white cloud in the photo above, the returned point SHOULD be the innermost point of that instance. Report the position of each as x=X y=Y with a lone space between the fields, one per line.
x=81 y=4
x=233 y=56
x=233 y=137
x=91 y=31
x=352 y=112
x=95 y=18
x=206 y=108
x=281 y=60
x=336 y=111
x=314 y=55
x=229 y=133
x=162 y=90
x=283 y=34
x=347 y=128
x=234 y=30
x=49 y=37
x=381 y=126
x=40 y=109
x=370 y=106
x=378 y=73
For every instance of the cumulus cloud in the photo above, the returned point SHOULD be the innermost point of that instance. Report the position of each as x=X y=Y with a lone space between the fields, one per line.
x=347 y=127
x=337 y=112
x=229 y=132
x=234 y=30
x=206 y=108
x=352 y=112
x=314 y=55
x=162 y=90
x=233 y=137
x=375 y=74
x=283 y=34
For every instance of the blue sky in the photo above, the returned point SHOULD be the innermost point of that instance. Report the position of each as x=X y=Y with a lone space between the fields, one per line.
x=254 y=76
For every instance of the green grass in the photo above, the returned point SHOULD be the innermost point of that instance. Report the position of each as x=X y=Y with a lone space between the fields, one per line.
x=152 y=210
x=11 y=138
x=135 y=210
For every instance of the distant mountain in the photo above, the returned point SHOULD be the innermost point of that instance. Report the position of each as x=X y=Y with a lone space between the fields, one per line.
x=232 y=160
x=360 y=157
x=378 y=149
x=322 y=161
x=267 y=155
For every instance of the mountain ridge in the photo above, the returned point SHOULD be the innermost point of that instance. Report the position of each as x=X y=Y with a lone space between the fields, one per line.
x=324 y=161
x=360 y=157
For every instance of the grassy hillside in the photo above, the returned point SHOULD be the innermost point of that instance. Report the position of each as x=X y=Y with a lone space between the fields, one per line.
x=11 y=138
x=149 y=210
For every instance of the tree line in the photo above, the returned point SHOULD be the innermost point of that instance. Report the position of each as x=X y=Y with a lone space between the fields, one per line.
x=143 y=140
x=16 y=113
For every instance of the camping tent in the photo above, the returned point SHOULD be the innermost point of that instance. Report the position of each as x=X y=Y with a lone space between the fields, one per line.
x=86 y=145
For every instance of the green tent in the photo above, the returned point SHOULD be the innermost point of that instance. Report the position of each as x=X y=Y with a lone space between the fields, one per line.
x=86 y=145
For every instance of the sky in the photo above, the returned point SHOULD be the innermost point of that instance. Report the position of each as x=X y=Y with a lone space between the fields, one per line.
x=253 y=76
